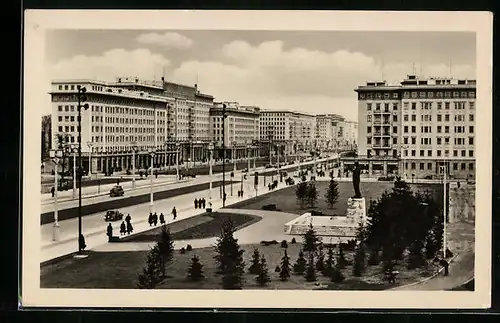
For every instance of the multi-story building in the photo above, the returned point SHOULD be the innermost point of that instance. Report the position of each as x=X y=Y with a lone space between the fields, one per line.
x=326 y=132
x=291 y=131
x=242 y=128
x=348 y=134
x=417 y=126
x=132 y=114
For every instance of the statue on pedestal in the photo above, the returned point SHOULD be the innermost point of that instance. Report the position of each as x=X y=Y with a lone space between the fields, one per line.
x=356 y=177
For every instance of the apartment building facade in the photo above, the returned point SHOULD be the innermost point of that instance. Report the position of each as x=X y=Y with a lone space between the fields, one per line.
x=242 y=129
x=132 y=114
x=418 y=126
x=287 y=132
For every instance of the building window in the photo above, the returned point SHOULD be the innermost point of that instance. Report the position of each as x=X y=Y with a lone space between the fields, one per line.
x=429 y=166
x=471 y=117
x=421 y=166
x=447 y=105
x=413 y=140
x=413 y=165
x=405 y=117
x=394 y=129
x=439 y=153
x=446 y=129
x=413 y=153
x=455 y=166
x=471 y=140
x=413 y=129
x=429 y=153
x=439 y=118
x=405 y=105
x=471 y=166
x=414 y=105
x=395 y=105
x=462 y=166
x=394 y=141
x=405 y=140
x=368 y=106
x=369 y=140
x=471 y=129
x=406 y=129
x=455 y=153
x=368 y=129
x=395 y=118
x=369 y=118
x=471 y=105
x=421 y=153
x=413 y=118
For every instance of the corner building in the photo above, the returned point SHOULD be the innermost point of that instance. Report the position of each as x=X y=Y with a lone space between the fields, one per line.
x=417 y=126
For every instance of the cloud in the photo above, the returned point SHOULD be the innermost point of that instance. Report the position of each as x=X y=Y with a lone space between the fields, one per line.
x=111 y=64
x=167 y=40
x=268 y=74
x=277 y=78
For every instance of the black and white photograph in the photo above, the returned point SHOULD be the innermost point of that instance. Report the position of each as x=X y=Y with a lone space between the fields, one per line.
x=316 y=160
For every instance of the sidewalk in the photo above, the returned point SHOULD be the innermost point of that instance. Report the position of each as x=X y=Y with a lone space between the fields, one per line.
x=185 y=209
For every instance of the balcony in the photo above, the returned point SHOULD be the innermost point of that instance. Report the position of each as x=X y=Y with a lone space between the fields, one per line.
x=382 y=145
x=381 y=112
x=382 y=134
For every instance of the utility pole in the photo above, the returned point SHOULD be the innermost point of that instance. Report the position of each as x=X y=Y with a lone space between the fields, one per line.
x=81 y=98
x=224 y=116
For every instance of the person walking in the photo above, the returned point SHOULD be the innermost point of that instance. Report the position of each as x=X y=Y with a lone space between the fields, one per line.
x=81 y=242
x=162 y=219
x=150 y=219
x=123 y=228
x=155 y=219
x=109 y=232
x=174 y=213
x=128 y=218
x=195 y=203
x=203 y=202
x=53 y=191
x=130 y=228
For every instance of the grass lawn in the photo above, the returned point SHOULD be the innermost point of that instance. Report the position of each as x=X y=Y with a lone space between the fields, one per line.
x=286 y=201
x=119 y=270
x=202 y=226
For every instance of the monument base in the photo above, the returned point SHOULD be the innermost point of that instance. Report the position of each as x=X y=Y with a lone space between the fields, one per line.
x=356 y=211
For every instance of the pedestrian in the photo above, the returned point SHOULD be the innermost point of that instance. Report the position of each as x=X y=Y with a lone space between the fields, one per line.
x=109 y=232
x=195 y=203
x=123 y=228
x=174 y=213
x=81 y=242
x=150 y=219
x=224 y=197
x=128 y=218
x=445 y=265
x=162 y=219
x=155 y=219
x=204 y=202
x=130 y=229
x=53 y=191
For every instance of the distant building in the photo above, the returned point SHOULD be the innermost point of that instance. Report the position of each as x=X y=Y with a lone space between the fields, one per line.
x=241 y=131
x=417 y=126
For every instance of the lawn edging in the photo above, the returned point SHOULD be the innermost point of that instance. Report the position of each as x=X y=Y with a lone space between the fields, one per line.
x=438 y=272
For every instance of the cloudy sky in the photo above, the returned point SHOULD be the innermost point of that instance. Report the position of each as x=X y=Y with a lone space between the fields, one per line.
x=313 y=72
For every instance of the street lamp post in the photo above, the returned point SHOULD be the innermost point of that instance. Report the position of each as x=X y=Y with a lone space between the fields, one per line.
x=444 y=209
x=74 y=171
x=55 y=155
x=210 y=156
x=90 y=145
x=234 y=157
x=177 y=161
x=152 y=154
x=224 y=116
x=134 y=148
x=81 y=98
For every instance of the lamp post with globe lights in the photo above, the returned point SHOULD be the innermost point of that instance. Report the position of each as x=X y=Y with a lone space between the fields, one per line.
x=152 y=154
x=90 y=145
x=134 y=149
x=81 y=98
x=56 y=156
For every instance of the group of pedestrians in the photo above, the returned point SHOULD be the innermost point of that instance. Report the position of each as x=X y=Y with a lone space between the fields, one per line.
x=126 y=226
x=200 y=203
x=153 y=218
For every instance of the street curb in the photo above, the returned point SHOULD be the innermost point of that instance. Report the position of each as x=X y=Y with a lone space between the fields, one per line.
x=427 y=278
x=61 y=258
x=107 y=193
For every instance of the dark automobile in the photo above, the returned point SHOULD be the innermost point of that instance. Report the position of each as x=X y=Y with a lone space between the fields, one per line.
x=268 y=166
x=188 y=174
x=113 y=216
x=116 y=191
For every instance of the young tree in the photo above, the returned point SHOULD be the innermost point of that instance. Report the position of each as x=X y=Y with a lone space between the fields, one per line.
x=254 y=267
x=229 y=258
x=301 y=193
x=263 y=275
x=151 y=275
x=359 y=260
x=416 y=257
x=332 y=195
x=311 y=194
x=166 y=247
x=310 y=274
x=310 y=239
x=320 y=261
x=374 y=257
x=300 y=265
x=195 y=271
x=341 y=261
x=329 y=263
x=336 y=275
x=285 y=267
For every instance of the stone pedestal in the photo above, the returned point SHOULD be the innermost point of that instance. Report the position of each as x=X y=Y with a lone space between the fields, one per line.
x=356 y=210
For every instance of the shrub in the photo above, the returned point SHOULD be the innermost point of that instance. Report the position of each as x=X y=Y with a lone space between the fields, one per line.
x=183 y=250
x=255 y=263
x=269 y=207
x=268 y=243
x=284 y=244
x=293 y=241
x=300 y=265
x=263 y=276
x=277 y=269
x=189 y=247
x=195 y=271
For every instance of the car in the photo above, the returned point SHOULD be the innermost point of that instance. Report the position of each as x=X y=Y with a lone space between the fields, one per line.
x=117 y=190
x=113 y=215
x=187 y=174
x=245 y=170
